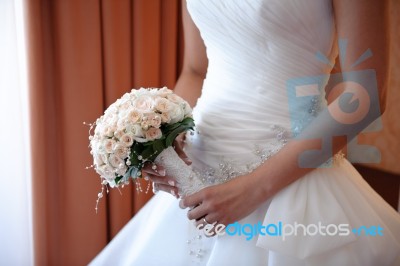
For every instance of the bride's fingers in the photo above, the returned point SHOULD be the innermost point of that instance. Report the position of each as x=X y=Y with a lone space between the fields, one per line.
x=178 y=144
x=198 y=213
x=165 y=180
x=154 y=169
x=167 y=188
x=193 y=200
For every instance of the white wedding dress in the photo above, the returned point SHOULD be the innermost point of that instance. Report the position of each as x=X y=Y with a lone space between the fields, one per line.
x=254 y=47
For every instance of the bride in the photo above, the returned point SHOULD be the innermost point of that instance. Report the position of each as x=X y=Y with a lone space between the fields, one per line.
x=266 y=141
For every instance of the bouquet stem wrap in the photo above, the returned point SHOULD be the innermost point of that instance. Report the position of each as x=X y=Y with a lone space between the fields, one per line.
x=188 y=181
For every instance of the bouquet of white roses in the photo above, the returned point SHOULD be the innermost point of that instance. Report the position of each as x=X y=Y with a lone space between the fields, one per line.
x=136 y=129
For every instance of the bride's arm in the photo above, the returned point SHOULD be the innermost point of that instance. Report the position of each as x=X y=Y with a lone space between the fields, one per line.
x=363 y=24
x=195 y=61
x=188 y=86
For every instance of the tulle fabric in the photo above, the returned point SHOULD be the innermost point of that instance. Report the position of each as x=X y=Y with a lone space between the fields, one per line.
x=254 y=47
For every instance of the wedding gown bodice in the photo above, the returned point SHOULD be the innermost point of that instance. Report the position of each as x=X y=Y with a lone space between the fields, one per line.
x=254 y=48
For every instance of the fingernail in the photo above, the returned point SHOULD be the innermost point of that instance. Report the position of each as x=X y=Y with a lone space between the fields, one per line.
x=162 y=172
x=173 y=193
x=171 y=183
x=181 y=204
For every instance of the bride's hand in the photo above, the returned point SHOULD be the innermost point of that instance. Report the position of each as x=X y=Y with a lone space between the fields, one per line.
x=225 y=203
x=158 y=175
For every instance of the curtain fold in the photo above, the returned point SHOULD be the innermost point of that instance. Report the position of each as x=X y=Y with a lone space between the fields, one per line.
x=82 y=56
x=387 y=139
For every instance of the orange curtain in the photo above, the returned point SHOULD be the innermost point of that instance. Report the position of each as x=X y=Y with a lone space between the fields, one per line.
x=82 y=56
x=387 y=139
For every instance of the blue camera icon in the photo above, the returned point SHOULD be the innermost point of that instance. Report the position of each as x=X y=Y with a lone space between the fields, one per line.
x=353 y=105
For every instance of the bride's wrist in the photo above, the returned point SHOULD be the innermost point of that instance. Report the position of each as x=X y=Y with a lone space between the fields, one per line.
x=262 y=189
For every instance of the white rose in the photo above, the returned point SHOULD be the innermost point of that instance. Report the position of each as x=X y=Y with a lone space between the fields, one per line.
x=113 y=128
x=165 y=118
x=121 y=151
x=153 y=133
x=122 y=170
x=119 y=133
x=122 y=103
x=164 y=91
x=118 y=101
x=135 y=129
x=109 y=145
x=122 y=114
x=163 y=105
x=104 y=157
x=140 y=92
x=108 y=131
x=99 y=129
x=174 y=98
x=176 y=114
x=133 y=116
x=187 y=110
x=96 y=146
x=121 y=125
x=98 y=160
x=106 y=171
x=112 y=109
x=145 y=125
x=144 y=103
x=127 y=139
x=141 y=140
x=106 y=116
x=115 y=161
x=126 y=105
x=94 y=141
x=153 y=120
x=126 y=96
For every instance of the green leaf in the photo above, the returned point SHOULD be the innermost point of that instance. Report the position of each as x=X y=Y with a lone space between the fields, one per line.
x=151 y=143
x=158 y=146
x=185 y=125
x=147 y=152
x=188 y=121
x=118 y=178
x=172 y=136
x=136 y=150
x=170 y=128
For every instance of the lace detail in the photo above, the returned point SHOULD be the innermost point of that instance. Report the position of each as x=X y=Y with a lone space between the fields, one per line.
x=187 y=179
x=229 y=169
